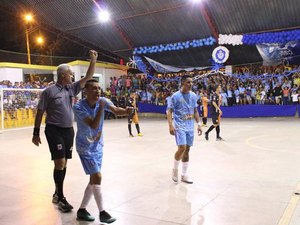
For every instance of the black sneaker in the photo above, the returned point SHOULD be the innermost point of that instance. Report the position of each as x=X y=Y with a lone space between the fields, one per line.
x=106 y=218
x=55 y=198
x=220 y=139
x=64 y=206
x=206 y=136
x=84 y=215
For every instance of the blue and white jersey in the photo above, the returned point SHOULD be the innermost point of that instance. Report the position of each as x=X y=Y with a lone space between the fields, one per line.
x=88 y=142
x=183 y=107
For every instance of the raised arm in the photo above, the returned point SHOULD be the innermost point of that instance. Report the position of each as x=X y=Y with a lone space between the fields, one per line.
x=91 y=70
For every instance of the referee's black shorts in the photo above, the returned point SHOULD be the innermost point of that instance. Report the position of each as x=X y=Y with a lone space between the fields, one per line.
x=60 y=141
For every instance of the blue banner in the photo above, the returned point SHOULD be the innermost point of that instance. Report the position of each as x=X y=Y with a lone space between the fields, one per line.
x=242 y=111
x=161 y=68
x=275 y=54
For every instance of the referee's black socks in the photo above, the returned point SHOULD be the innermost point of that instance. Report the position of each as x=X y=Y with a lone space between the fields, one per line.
x=59 y=180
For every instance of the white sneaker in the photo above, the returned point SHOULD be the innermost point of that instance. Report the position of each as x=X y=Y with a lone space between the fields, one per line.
x=175 y=175
x=186 y=179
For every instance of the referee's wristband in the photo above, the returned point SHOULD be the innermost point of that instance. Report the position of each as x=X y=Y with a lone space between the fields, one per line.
x=36 y=131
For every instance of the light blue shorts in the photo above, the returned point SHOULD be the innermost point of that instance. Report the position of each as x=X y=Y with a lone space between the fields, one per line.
x=184 y=137
x=91 y=164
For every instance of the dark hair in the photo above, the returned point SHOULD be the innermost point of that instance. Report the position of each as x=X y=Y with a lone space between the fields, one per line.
x=185 y=77
x=90 y=81
x=215 y=87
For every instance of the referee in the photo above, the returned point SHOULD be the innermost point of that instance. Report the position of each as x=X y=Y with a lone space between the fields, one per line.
x=56 y=101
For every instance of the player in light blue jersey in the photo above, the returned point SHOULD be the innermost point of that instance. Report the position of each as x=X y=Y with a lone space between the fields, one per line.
x=89 y=114
x=183 y=106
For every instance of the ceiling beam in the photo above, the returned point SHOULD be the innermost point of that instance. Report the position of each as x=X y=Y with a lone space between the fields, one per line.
x=209 y=20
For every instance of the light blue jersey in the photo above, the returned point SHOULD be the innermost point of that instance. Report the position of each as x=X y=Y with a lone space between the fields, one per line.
x=183 y=107
x=86 y=138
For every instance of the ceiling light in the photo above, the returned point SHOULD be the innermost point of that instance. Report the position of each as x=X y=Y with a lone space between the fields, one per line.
x=196 y=1
x=104 y=16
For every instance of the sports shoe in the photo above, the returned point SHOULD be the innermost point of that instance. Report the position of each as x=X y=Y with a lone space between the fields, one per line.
x=220 y=139
x=130 y=135
x=84 y=215
x=203 y=125
x=140 y=134
x=105 y=217
x=186 y=179
x=175 y=175
x=206 y=136
x=55 y=198
x=64 y=206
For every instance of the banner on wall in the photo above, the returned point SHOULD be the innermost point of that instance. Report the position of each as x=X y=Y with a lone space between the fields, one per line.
x=275 y=54
x=161 y=68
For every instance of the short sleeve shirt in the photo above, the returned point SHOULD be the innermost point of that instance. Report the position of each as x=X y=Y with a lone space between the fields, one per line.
x=86 y=142
x=183 y=107
x=57 y=101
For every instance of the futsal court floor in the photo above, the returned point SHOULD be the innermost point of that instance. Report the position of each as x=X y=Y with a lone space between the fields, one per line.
x=252 y=178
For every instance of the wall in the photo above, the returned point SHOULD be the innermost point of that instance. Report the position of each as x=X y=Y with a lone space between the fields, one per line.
x=11 y=74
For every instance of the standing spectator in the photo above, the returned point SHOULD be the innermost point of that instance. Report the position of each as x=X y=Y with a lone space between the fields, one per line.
x=128 y=83
x=56 y=101
x=242 y=94
x=295 y=99
x=224 y=98
x=263 y=96
x=277 y=91
x=229 y=95
x=237 y=96
x=253 y=93
x=286 y=95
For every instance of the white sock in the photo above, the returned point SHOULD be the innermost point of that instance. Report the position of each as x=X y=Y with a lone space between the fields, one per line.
x=176 y=164
x=98 y=196
x=87 y=196
x=185 y=166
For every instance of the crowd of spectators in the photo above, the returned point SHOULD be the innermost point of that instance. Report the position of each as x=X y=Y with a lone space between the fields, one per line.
x=279 y=87
x=24 y=85
x=19 y=99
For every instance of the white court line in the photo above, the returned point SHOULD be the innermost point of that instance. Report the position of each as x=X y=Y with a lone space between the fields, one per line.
x=251 y=139
x=290 y=209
